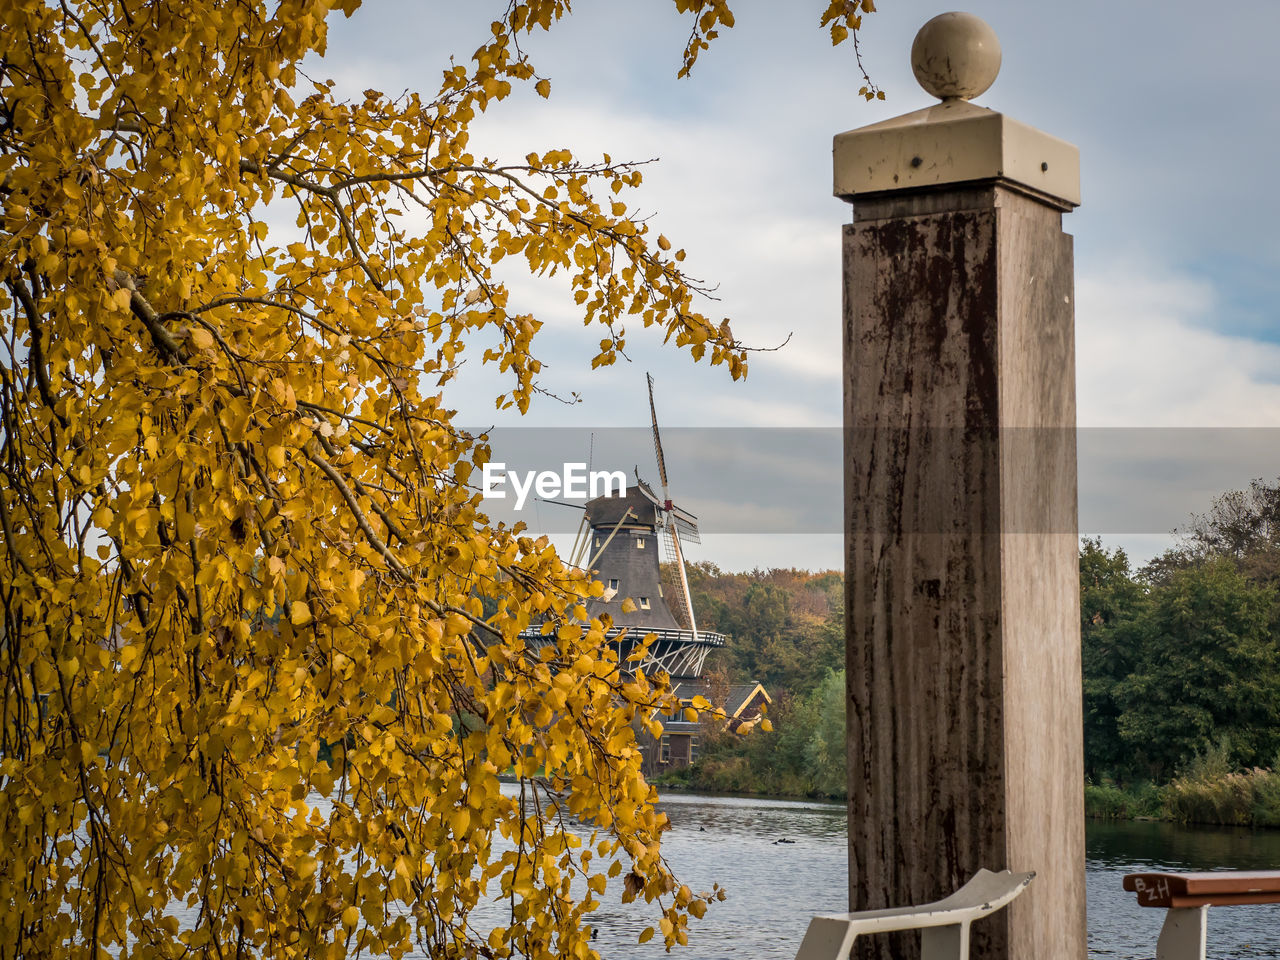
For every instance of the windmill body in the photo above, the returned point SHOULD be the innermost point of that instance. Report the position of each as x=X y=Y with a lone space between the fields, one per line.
x=628 y=560
x=625 y=546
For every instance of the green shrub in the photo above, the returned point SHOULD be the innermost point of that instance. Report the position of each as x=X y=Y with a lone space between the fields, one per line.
x=1249 y=798
x=1106 y=801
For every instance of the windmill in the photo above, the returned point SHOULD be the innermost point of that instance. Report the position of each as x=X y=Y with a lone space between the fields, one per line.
x=618 y=544
x=671 y=522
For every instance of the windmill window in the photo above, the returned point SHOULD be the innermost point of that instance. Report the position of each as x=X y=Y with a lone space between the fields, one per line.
x=644 y=603
x=639 y=543
x=693 y=749
x=613 y=585
x=597 y=541
x=665 y=751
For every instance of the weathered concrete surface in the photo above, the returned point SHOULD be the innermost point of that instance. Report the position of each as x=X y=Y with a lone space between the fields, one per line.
x=963 y=649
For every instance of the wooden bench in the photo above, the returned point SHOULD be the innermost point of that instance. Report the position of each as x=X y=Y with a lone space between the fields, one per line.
x=1188 y=897
x=943 y=924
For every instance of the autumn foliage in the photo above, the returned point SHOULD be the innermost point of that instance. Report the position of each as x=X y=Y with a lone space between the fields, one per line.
x=261 y=658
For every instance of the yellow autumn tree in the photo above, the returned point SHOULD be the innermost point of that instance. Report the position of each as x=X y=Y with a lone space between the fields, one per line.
x=261 y=652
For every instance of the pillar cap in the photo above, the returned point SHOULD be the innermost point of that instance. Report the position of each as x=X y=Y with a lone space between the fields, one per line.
x=955 y=56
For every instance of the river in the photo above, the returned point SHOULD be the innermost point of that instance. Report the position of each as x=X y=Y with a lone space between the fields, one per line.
x=775 y=887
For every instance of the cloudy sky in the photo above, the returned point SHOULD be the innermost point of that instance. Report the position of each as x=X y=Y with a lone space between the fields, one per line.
x=1172 y=104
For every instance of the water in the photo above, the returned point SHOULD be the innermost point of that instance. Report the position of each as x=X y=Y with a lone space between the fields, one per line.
x=775 y=887
x=1118 y=927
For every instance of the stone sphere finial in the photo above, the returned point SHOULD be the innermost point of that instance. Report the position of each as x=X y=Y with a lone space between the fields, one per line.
x=956 y=56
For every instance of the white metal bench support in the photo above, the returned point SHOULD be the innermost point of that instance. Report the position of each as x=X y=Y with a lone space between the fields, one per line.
x=1184 y=935
x=945 y=943
x=943 y=925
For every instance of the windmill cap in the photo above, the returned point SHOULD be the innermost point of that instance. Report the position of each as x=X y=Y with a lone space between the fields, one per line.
x=639 y=499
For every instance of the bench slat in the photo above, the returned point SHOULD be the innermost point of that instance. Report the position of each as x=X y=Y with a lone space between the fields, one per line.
x=1218 y=888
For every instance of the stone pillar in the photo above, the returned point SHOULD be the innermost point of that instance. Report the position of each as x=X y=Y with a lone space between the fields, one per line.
x=962 y=595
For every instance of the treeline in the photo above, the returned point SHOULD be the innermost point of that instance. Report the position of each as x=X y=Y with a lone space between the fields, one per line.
x=1181 y=662
x=1182 y=657
x=786 y=626
x=787 y=633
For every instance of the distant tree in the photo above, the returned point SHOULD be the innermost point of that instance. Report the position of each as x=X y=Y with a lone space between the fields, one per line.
x=1240 y=523
x=825 y=753
x=1206 y=669
x=1110 y=600
x=785 y=626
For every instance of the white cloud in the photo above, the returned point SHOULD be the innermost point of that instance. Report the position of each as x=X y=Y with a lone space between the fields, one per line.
x=743 y=185
x=1145 y=356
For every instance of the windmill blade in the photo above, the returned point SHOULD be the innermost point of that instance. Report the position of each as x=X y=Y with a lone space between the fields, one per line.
x=673 y=521
x=688 y=531
x=684 y=581
x=679 y=603
x=579 y=543
x=657 y=441
x=687 y=524
x=560 y=503
x=628 y=515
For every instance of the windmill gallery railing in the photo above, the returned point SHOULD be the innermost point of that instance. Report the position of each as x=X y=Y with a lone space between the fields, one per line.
x=681 y=653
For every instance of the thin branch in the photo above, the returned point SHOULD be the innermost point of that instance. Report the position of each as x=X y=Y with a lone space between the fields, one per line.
x=147 y=314
x=353 y=504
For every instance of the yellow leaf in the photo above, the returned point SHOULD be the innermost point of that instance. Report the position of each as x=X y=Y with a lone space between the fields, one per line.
x=543 y=87
x=646 y=935
x=299 y=613
x=460 y=821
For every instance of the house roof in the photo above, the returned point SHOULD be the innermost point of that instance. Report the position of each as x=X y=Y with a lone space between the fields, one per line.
x=741 y=695
x=737 y=697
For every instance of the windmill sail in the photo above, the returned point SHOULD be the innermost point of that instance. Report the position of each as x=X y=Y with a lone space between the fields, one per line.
x=680 y=603
x=687 y=524
x=673 y=521
x=657 y=444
